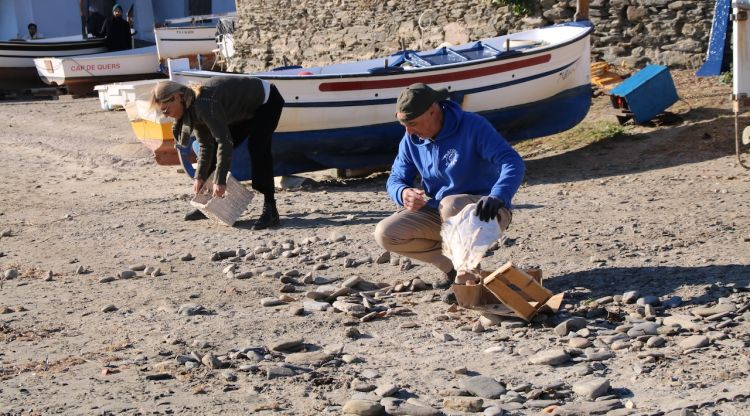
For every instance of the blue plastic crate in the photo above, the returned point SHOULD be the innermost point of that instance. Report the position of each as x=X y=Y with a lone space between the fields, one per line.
x=647 y=93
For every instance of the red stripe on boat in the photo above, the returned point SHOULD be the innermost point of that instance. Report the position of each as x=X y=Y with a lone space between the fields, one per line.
x=430 y=79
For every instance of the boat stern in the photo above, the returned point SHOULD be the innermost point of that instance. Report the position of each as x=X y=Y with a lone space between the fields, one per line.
x=50 y=70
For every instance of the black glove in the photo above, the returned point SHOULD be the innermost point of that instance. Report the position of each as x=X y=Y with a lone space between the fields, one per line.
x=488 y=207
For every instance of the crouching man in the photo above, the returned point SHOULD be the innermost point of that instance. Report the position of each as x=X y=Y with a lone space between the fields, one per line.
x=461 y=159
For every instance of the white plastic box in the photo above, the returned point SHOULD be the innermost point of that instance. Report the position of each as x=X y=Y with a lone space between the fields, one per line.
x=227 y=209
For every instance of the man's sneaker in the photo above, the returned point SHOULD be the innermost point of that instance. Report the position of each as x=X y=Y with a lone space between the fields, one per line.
x=194 y=215
x=268 y=218
x=448 y=296
x=445 y=280
x=442 y=282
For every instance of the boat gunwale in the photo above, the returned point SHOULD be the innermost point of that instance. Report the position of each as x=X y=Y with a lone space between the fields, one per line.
x=67 y=45
x=165 y=28
x=125 y=53
x=421 y=70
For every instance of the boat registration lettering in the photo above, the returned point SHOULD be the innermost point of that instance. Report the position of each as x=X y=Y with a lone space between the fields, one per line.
x=94 y=67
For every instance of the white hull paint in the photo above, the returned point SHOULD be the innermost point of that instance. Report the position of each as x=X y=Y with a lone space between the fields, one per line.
x=134 y=61
x=22 y=54
x=175 y=42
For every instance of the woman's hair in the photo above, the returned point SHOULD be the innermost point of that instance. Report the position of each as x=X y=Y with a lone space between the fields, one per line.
x=165 y=89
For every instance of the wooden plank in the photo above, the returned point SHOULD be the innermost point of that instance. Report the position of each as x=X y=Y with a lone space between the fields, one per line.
x=511 y=299
x=527 y=285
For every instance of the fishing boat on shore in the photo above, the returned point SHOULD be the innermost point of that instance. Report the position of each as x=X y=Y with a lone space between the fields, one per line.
x=17 y=69
x=225 y=38
x=80 y=73
x=191 y=37
x=527 y=84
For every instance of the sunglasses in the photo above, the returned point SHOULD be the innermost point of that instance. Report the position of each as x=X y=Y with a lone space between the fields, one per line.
x=167 y=101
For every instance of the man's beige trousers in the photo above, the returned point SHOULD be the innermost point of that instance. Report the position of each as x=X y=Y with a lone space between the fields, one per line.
x=417 y=234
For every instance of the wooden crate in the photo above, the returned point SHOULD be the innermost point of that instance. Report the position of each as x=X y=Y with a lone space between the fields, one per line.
x=508 y=291
x=517 y=289
x=227 y=209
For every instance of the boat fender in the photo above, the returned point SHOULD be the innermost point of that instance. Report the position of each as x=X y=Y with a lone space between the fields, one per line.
x=509 y=53
x=384 y=70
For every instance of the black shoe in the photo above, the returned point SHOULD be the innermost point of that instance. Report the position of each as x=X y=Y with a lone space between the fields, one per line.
x=195 y=215
x=445 y=280
x=268 y=218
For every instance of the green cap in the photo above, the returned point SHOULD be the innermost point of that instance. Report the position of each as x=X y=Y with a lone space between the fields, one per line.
x=417 y=98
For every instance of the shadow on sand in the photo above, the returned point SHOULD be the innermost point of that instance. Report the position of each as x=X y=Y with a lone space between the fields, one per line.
x=339 y=219
x=704 y=134
x=654 y=280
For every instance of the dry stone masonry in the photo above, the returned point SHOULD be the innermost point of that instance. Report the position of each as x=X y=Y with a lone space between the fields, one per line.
x=312 y=32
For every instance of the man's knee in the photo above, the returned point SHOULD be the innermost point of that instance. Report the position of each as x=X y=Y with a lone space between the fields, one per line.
x=382 y=237
x=452 y=205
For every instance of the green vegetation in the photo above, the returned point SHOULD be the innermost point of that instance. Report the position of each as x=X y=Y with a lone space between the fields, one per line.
x=582 y=135
x=518 y=7
x=726 y=78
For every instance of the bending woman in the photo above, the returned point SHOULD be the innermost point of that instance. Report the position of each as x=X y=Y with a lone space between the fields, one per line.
x=223 y=112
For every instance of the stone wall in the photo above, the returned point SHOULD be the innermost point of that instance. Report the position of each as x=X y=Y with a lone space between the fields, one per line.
x=318 y=32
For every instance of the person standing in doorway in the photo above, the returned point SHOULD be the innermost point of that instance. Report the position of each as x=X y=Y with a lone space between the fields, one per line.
x=116 y=31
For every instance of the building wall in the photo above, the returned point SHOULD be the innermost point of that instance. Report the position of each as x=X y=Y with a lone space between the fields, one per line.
x=53 y=18
x=56 y=18
x=318 y=32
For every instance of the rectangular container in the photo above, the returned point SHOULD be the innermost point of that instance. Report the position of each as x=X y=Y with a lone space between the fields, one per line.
x=227 y=209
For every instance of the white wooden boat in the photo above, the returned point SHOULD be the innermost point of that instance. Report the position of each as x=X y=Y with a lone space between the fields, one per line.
x=79 y=74
x=117 y=95
x=191 y=37
x=528 y=84
x=17 y=69
x=179 y=42
x=149 y=126
x=225 y=38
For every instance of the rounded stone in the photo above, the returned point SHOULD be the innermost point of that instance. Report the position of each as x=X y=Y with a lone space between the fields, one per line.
x=363 y=408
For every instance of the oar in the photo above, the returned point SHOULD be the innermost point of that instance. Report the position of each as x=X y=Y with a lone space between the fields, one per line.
x=130 y=22
x=84 y=6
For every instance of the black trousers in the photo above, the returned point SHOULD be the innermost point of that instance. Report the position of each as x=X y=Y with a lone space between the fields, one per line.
x=259 y=132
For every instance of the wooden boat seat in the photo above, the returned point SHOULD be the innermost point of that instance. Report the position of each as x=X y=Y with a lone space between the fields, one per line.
x=446 y=55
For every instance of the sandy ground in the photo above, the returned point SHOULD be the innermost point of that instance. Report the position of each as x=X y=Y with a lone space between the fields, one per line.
x=660 y=209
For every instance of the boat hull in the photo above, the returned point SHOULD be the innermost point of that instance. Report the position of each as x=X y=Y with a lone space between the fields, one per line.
x=158 y=138
x=17 y=69
x=338 y=119
x=79 y=74
x=178 y=42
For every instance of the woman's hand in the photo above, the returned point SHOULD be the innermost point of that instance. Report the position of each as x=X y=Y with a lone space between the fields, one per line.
x=197 y=185
x=219 y=191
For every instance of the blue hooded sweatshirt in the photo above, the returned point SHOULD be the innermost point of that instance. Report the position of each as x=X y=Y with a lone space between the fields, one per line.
x=468 y=156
